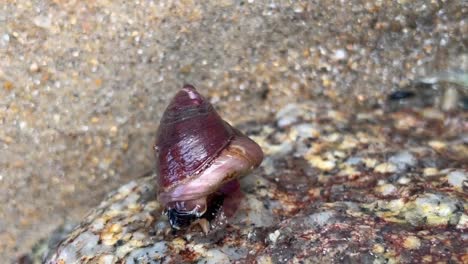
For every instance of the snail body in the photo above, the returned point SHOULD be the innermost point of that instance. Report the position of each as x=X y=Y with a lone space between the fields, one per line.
x=199 y=157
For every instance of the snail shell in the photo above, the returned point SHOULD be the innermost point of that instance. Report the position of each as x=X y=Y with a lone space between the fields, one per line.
x=197 y=153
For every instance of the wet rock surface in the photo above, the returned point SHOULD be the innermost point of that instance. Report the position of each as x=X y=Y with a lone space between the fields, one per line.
x=364 y=187
x=83 y=84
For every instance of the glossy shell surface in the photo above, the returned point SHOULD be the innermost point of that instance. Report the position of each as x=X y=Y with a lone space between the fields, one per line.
x=191 y=134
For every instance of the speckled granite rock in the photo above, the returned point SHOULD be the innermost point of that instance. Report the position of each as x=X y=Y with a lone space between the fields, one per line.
x=83 y=83
x=365 y=187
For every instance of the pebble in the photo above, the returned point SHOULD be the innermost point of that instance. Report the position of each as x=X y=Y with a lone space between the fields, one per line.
x=340 y=54
x=34 y=67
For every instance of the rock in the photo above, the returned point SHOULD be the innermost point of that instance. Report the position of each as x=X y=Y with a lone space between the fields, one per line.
x=364 y=212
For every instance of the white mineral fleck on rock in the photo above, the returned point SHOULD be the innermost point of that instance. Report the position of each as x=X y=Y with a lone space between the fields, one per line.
x=340 y=54
x=127 y=188
x=395 y=205
x=132 y=198
x=404 y=180
x=463 y=222
x=306 y=130
x=319 y=219
x=403 y=160
x=214 y=256
x=107 y=259
x=86 y=243
x=5 y=39
x=257 y=214
x=268 y=165
x=386 y=189
x=274 y=236
x=97 y=225
x=353 y=160
x=432 y=209
x=148 y=254
x=456 y=178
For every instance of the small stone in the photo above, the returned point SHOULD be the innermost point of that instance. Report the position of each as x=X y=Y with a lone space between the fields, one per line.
x=340 y=54
x=34 y=67
x=5 y=39
x=298 y=8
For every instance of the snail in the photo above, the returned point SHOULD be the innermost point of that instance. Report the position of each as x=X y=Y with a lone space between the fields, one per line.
x=199 y=159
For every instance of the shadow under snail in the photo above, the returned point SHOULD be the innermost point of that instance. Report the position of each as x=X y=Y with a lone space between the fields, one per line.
x=199 y=159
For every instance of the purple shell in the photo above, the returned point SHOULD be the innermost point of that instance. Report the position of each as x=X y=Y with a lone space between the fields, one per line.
x=191 y=134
